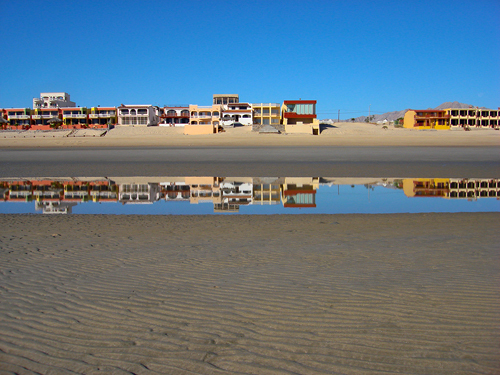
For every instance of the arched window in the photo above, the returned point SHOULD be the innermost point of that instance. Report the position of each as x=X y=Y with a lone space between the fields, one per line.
x=184 y=112
x=133 y=112
x=171 y=112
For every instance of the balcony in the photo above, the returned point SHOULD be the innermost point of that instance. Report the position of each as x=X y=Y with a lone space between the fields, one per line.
x=19 y=117
x=432 y=116
x=79 y=115
x=101 y=115
x=133 y=115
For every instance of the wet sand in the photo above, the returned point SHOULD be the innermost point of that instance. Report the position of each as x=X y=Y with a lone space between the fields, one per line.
x=315 y=294
x=340 y=161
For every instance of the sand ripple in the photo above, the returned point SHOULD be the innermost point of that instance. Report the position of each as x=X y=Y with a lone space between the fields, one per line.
x=319 y=294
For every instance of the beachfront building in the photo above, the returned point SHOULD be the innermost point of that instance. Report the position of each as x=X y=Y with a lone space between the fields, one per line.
x=204 y=189
x=226 y=99
x=203 y=119
x=299 y=116
x=45 y=118
x=74 y=118
x=299 y=192
x=175 y=115
x=16 y=118
x=235 y=192
x=175 y=189
x=266 y=113
x=236 y=113
x=426 y=119
x=426 y=187
x=473 y=117
x=138 y=115
x=452 y=188
x=138 y=192
x=267 y=190
x=102 y=117
x=53 y=100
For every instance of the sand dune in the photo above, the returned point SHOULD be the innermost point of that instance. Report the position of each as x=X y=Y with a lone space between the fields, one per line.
x=318 y=294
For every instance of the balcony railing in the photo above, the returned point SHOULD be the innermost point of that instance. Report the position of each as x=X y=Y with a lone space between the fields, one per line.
x=433 y=117
x=204 y=116
x=101 y=115
x=79 y=115
x=21 y=117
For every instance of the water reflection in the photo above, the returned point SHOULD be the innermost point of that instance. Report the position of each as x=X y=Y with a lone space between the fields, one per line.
x=244 y=194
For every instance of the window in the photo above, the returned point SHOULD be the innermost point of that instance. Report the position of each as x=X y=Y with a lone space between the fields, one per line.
x=142 y=111
x=133 y=112
x=124 y=111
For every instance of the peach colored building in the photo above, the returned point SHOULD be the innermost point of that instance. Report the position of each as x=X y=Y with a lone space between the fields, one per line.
x=203 y=119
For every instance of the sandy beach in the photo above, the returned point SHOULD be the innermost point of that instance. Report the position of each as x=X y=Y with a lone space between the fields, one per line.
x=338 y=134
x=277 y=294
x=318 y=294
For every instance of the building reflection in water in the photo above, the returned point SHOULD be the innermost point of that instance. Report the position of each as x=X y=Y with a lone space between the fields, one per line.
x=225 y=194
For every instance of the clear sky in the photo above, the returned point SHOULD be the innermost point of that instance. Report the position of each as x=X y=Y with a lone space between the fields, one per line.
x=348 y=55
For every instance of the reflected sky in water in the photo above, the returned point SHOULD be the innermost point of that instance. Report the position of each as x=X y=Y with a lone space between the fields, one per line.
x=246 y=195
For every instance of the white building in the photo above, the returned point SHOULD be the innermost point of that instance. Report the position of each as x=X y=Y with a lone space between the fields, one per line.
x=237 y=113
x=144 y=115
x=53 y=100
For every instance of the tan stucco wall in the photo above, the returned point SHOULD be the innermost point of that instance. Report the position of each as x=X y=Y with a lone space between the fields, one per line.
x=198 y=129
x=299 y=129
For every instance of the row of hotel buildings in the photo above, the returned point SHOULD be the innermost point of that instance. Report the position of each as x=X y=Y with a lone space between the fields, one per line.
x=445 y=119
x=56 y=110
x=226 y=194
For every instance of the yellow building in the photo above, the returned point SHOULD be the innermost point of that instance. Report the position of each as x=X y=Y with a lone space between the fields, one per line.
x=427 y=119
x=266 y=113
x=426 y=187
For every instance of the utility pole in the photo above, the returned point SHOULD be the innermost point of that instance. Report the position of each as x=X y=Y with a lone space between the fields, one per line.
x=369 y=112
x=338 y=118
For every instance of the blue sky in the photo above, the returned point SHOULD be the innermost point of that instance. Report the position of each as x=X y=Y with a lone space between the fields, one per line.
x=348 y=55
